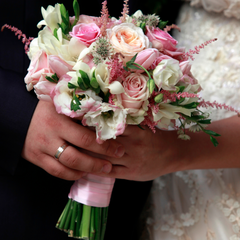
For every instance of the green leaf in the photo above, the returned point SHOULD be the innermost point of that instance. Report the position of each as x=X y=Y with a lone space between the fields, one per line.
x=65 y=19
x=214 y=141
x=134 y=67
x=96 y=90
x=94 y=83
x=191 y=105
x=85 y=78
x=143 y=26
x=55 y=33
x=54 y=78
x=162 y=24
x=71 y=86
x=76 y=9
x=211 y=133
x=180 y=100
x=125 y=68
x=205 y=121
x=180 y=88
x=133 y=58
x=81 y=84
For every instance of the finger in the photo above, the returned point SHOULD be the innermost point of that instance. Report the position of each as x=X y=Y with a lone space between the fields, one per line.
x=84 y=138
x=74 y=159
x=55 y=168
x=120 y=172
x=117 y=161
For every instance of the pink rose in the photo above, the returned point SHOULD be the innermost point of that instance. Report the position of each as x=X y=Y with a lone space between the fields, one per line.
x=58 y=66
x=158 y=60
x=161 y=39
x=146 y=58
x=187 y=77
x=43 y=90
x=86 y=33
x=38 y=69
x=136 y=91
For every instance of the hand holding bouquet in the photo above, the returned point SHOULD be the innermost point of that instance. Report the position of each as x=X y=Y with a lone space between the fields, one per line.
x=112 y=72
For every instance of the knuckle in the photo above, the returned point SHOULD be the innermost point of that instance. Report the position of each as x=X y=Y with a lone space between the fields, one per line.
x=69 y=160
x=86 y=140
x=93 y=167
x=108 y=148
x=56 y=172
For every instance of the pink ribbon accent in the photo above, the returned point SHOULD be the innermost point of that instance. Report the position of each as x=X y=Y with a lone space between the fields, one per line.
x=92 y=190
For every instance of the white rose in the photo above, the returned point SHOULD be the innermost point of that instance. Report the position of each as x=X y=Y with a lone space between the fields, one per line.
x=167 y=74
x=128 y=40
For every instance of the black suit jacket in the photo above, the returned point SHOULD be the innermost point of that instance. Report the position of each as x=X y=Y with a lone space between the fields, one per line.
x=30 y=199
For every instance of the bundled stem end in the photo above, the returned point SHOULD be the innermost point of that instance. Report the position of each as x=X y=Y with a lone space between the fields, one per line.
x=83 y=222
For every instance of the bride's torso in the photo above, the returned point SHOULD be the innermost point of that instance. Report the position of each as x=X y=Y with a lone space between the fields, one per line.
x=203 y=204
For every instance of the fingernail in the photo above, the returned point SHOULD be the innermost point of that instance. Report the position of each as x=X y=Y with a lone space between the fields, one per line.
x=107 y=168
x=120 y=151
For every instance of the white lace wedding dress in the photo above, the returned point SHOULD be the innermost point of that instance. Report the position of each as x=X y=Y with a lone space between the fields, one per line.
x=204 y=204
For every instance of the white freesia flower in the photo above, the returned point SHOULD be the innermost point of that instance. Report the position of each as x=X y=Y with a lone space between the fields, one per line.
x=33 y=48
x=102 y=75
x=170 y=111
x=59 y=46
x=52 y=17
x=167 y=74
x=109 y=121
x=137 y=14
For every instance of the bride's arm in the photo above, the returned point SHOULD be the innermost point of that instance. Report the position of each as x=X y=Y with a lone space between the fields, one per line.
x=150 y=155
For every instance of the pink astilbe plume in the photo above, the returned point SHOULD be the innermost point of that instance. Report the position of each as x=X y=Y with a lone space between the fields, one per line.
x=197 y=49
x=174 y=96
x=125 y=11
x=103 y=20
x=116 y=68
x=173 y=26
x=19 y=33
x=217 y=106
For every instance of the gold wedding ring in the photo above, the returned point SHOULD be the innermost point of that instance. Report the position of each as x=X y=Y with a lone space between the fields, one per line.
x=60 y=150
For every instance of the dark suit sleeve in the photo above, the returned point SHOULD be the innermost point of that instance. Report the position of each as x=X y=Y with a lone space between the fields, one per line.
x=17 y=106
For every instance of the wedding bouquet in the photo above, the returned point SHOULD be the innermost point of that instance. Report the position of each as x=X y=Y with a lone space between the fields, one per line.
x=112 y=72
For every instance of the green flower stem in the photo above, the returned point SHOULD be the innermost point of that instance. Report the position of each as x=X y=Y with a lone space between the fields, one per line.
x=104 y=222
x=62 y=219
x=78 y=220
x=143 y=69
x=92 y=225
x=98 y=222
x=68 y=218
x=85 y=223
x=73 y=220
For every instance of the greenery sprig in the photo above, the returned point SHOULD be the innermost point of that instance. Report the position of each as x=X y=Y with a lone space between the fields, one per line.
x=54 y=78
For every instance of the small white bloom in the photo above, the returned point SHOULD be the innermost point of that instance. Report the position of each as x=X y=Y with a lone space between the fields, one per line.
x=108 y=119
x=167 y=74
x=184 y=137
x=195 y=128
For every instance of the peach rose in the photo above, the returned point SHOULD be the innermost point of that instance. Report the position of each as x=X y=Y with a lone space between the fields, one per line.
x=128 y=40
